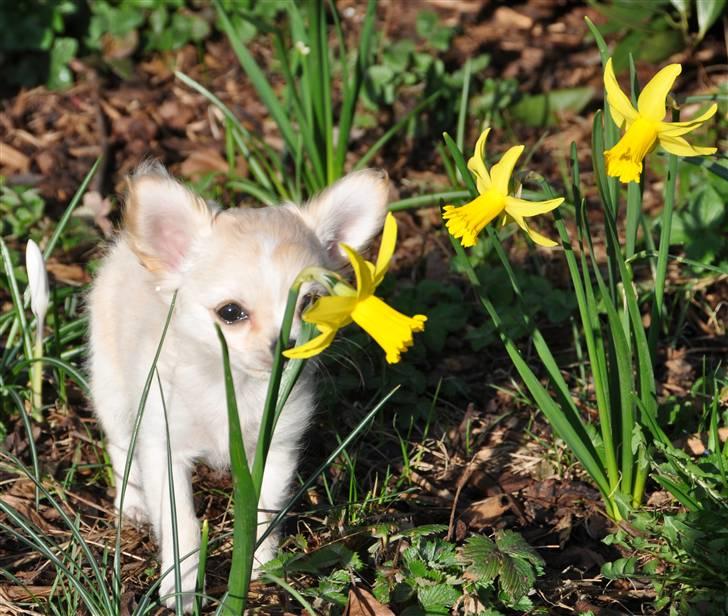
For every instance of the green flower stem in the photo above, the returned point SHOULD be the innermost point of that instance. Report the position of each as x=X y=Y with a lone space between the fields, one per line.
x=36 y=374
x=634 y=209
x=267 y=422
x=643 y=468
x=563 y=416
x=245 y=500
x=248 y=479
x=587 y=303
x=662 y=255
x=556 y=416
x=427 y=200
x=202 y=566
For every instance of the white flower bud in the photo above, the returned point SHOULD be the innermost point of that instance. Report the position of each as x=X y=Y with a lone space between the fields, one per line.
x=37 y=280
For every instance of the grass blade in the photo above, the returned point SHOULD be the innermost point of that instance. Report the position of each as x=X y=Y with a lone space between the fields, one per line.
x=267 y=422
x=351 y=93
x=60 y=227
x=334 y=454
x=17 y=304
x=258 y=79
x=427 y=200
x=172 y=506
x=291 y=591
x=384 y=139
x=245 y=507
x=663 y=250
x=202 y=566
x=132 y=444
x=255 y=166
x=463 y=110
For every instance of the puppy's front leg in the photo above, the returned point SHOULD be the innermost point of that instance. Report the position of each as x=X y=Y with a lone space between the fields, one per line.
x=279 y=469
x=153 y=459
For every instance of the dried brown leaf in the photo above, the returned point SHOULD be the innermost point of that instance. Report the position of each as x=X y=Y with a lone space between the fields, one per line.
x=363 y=603
x=14 y=159
x=203 y=161
x=483 y=513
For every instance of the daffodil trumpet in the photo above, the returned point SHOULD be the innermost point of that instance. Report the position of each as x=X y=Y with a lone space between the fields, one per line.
x=391 y=329
x=645 y=127
x=494 y=200
x=38 y=286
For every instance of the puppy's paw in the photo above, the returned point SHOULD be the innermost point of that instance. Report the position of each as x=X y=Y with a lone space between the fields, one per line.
x=134 y=509
x=168 y=593
x=266 y=552
x=188 y=602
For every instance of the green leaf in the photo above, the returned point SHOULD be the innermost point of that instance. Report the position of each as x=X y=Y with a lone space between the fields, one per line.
x=483 y=556
x=708 y=13
x=422 y=531
x=426 y=23
x=380 y=74
x=417 y=568
x=245 y=500
x=658 y=46
x=332 y=555
x=515 y=545
x=544 y=109
x=704 y=211
x=516 y=578
x=397 y=56
x=623 y=567
x=59 y=75
x=438 y=598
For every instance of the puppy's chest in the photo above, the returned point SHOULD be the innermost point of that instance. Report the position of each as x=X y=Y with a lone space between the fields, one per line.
x=200 y=417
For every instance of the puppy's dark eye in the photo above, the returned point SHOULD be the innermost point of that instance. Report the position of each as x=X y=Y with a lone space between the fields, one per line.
x=308 y=300
x=232 y=313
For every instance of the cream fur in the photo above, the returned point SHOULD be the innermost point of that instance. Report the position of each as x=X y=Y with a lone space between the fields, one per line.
x=172 y=241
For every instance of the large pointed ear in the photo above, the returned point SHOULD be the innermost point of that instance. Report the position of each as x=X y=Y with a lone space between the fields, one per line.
x=163 y=219
x=350 y=211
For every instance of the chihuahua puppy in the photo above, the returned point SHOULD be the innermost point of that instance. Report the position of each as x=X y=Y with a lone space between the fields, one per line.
x=233 y=268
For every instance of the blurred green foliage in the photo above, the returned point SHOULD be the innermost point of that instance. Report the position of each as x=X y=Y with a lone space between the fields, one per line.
x=653 y=31
x=20 y=209
x=40 y=43
x=701 y=225
x=47 y=34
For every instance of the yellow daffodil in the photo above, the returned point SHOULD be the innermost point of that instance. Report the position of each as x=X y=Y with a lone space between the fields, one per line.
x=391 y=329
x=467 y=221
x=644 y=125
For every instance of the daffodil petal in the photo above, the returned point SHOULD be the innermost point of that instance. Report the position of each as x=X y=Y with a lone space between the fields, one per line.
x=619 y=104
x=386 y=248
x=501 y=172
x=312 y=347
x=541 y=240
x=364 y=282
x=624 y=160
x=675 y=129
x=467 y=221
x=330 y=311
x=680 y=147
x=651 y=103
x=391 y=329
x=537 y=238
x=521 y=207
x=476 y=164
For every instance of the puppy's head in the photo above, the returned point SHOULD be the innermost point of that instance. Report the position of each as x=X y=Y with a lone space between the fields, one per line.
x=235 y=267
